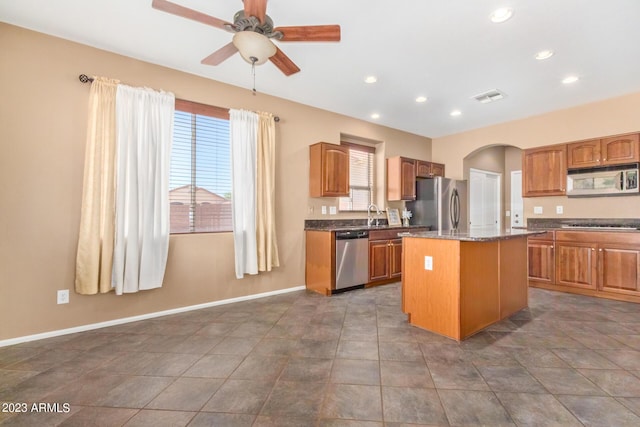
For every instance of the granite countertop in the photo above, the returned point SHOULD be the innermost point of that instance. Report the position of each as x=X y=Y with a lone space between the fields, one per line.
x=352 y=225
x=585 y=224
x=485 y=235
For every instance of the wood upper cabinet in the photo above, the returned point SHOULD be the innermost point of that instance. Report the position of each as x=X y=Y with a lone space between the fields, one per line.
x=426 y=169
x=437 y=169
x=541 y=258
x=584 y=154
x=604 y=152
x=401 y=178
x=328 y=170
x=620 y=149
x=544 y=171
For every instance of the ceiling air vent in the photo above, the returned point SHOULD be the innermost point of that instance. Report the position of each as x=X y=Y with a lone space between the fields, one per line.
x=489 y=96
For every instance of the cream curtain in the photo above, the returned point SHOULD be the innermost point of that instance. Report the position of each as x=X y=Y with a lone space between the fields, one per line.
x=244 y=134
x=144 y=121
x=95 y=241
x=267 y=243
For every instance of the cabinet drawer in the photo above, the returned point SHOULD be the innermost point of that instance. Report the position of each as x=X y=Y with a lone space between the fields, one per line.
x=547 y=235
x=392 y=233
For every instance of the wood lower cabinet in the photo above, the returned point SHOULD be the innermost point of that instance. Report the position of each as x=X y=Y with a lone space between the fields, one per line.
x=541 y=257
x=620 y=269
x=328 y=170
x=385 y=253
x=385 y=257
x=576 y=264
x=603 y=264
x=544 y=171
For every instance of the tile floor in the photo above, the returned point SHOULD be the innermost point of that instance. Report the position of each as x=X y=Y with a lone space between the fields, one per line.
x=301 y=359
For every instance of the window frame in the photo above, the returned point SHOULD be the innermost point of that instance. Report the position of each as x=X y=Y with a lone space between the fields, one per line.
x=372 y=152
x=196 y=108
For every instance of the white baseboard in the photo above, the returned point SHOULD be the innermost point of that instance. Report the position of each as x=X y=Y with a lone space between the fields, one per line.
x=89 y=327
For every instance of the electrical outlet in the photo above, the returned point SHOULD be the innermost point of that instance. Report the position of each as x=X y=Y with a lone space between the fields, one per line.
x=537 y=210
x=324 y=210
x=333 y=210
x=63 y=296
x=428 y=262
x=559 y=210
x=507 y=214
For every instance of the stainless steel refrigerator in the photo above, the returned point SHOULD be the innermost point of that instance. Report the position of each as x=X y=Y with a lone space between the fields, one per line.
x=441 y=203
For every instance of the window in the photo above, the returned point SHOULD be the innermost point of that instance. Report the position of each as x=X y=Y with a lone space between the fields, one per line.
x=200 y=177
x=360 y=178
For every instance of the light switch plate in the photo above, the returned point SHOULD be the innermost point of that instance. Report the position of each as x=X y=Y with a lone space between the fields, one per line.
x=324 y=210
x=537 y=210
x=428 y=262
x=507 y=214
x=333 y=210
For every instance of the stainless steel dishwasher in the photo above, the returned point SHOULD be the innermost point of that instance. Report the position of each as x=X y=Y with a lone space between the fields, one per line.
x=352 y=258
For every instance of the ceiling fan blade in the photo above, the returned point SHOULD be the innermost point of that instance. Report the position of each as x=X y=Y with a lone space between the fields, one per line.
x=220 y=55
x=310 y=33
x=257 y=8
x=185 y=12
x=283 y=63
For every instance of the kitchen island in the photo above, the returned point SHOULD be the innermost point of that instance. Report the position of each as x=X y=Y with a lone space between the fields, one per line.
x=457 y=283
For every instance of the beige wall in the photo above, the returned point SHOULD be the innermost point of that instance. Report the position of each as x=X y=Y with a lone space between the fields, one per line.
x=609 y=117
x=42 y=137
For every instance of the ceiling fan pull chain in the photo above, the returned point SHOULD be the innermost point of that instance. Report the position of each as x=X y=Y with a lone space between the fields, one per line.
x=253 y=73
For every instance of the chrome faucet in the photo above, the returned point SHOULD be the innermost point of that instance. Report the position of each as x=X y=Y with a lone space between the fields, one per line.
x=369 y=217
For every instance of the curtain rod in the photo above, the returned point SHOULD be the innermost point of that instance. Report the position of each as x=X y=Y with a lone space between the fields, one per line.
x=86 y=79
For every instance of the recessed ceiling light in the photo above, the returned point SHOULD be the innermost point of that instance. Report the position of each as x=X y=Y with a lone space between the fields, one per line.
x=570 y=79
x=501 y=15
x=421 y=99
x=370 y=79
x=544 y=54
x=375 y=116
x=455 y=113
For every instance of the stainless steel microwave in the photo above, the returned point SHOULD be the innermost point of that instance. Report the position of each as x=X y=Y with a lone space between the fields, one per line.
x=609 y=181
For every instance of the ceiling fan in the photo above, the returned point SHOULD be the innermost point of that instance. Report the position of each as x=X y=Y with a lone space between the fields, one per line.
x=253 y=30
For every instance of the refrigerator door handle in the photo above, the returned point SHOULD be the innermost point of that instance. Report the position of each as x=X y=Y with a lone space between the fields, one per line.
x=454 y=209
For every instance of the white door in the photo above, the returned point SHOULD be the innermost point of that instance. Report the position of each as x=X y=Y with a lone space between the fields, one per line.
x=517 y=208
x=484 y=199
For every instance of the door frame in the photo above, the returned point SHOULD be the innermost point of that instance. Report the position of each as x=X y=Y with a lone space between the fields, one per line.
x=498 y=192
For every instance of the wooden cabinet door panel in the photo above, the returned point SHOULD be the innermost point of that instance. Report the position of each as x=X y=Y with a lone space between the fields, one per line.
x=576 y=265
x=408 y=180
x=620 y=270
x=378 y=260
x=583 y=154
x=401 y=178
x=423 y=169
x=437 y=169
x=335 y=179
x=620 y=149
x=541 y=261
x=544 y=171
x=395 y=258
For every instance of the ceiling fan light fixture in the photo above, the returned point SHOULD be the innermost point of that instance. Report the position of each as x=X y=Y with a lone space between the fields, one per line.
x=254 y=48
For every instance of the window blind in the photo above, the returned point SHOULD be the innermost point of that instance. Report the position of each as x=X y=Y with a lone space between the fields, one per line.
x=200 y=177
x=360 y=178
